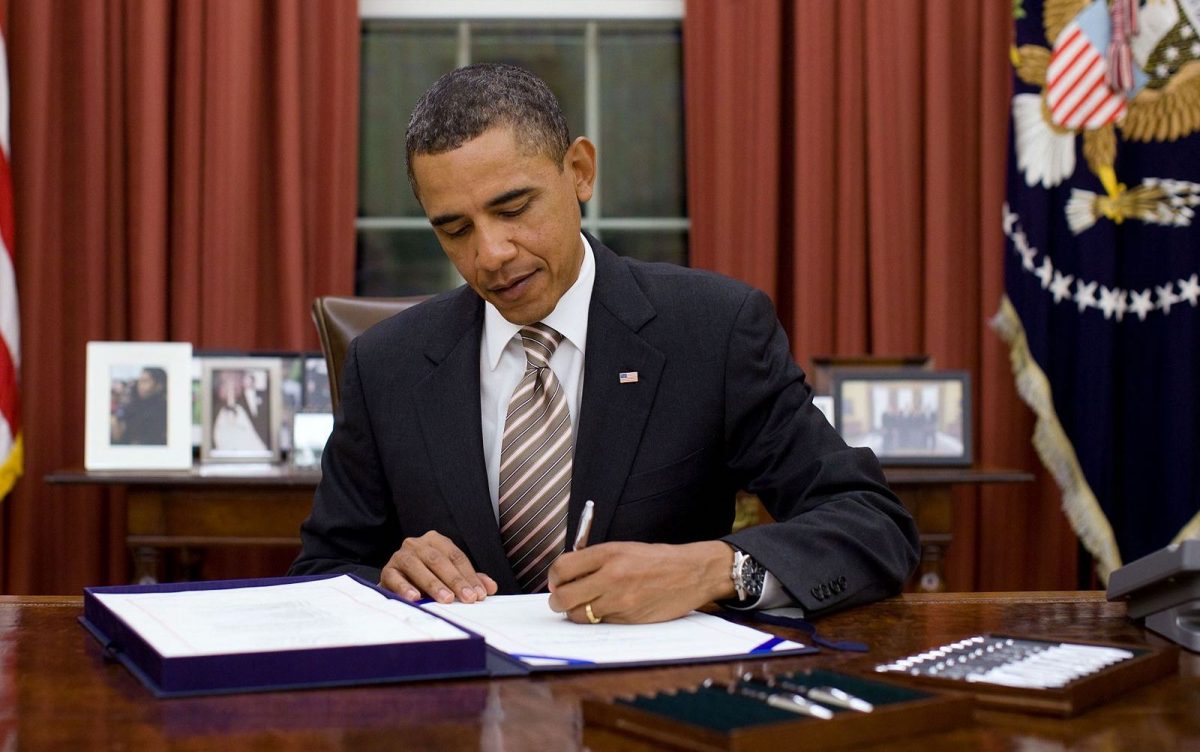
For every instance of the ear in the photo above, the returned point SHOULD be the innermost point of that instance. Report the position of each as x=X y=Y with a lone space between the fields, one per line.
x=580 y=160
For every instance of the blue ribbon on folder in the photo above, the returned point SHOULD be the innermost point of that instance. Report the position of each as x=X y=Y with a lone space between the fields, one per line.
x=781 y=619
x=555 y=658
x=767 y=646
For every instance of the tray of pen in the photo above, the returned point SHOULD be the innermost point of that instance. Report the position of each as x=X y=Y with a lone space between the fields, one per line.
x=1035 y=674
x=820 y=709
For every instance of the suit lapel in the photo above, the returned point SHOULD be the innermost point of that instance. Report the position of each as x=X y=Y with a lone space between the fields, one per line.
x=613 y=414
x=447 y=403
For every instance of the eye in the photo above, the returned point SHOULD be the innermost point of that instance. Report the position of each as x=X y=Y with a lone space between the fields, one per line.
x=456 y=232
x=516 y=211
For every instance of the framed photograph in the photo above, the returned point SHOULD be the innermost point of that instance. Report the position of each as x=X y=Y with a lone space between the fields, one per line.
x=197 y=400
x=906 y=417
x=310 y=432
x=241 y=410
x=291 y=388
x=138 y=406
x=317 y=396
x=822 y=368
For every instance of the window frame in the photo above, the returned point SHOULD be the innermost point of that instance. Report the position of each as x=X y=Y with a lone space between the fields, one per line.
x=591 y=14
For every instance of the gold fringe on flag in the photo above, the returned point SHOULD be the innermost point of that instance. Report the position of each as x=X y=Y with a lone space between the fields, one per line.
x=1190 y=530
x=1054 y=448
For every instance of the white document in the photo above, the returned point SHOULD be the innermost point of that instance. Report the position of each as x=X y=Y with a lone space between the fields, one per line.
x=524 y=627
x=329 y=613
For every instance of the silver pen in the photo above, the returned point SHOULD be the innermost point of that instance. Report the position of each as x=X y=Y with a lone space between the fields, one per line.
x=831 y=696
x=585 y=525
x=789 y=702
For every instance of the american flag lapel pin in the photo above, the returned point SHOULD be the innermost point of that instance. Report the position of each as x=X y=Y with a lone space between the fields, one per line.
x=627 y=377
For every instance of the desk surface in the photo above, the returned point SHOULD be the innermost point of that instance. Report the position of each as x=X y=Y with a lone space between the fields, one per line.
x=57 y=691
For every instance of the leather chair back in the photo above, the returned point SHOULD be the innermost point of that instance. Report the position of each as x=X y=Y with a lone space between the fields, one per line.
x=341 y=318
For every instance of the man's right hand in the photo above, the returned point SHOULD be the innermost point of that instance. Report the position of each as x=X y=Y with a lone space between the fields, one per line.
x=434 y=566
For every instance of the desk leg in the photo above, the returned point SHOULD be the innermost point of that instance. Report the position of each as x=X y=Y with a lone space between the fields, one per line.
x=144 y=516
x=146 y=565
x=931 y=576
x=930 y=507
x=191 y=564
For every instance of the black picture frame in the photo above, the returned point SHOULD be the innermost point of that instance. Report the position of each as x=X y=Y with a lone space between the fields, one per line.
x=907 y=417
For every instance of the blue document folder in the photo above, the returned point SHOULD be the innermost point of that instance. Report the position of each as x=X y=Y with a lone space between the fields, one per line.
x=260 y=671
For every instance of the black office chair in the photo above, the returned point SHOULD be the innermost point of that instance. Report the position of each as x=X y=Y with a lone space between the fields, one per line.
x=341 y=318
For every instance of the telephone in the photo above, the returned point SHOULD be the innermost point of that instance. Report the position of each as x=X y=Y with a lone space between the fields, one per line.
x=1164 y=589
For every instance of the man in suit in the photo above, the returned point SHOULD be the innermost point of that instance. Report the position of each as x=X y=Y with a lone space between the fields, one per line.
x=667 y=389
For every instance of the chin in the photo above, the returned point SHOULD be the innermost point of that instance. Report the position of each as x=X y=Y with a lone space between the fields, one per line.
x=520 y=318
x=524 y=314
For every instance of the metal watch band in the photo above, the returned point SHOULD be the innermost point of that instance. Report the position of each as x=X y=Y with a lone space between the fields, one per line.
x=735 y=574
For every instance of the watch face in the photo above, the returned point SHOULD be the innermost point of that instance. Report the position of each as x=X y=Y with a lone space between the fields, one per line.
x=752 y=577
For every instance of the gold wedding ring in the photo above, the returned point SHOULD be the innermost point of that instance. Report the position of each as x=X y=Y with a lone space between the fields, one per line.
x=587 y=609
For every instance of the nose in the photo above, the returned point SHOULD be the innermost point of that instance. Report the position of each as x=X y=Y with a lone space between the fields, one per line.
x=494 y=249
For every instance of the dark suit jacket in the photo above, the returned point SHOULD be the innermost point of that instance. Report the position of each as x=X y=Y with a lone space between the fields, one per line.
x=719 y=405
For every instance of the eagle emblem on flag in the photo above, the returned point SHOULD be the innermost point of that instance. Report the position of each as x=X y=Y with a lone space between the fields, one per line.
x=1158 y=99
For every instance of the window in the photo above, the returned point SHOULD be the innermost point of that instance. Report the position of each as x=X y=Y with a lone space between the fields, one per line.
x=616 y=68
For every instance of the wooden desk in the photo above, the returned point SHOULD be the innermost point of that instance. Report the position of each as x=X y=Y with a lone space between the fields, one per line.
x=187 y=511
x=58 y=692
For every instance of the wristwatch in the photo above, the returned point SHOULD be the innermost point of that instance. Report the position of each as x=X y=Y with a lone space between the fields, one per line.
x=747 y=575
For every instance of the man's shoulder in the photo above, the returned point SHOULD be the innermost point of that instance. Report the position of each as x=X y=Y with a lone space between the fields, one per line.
x=430 y=320
x=671 y=283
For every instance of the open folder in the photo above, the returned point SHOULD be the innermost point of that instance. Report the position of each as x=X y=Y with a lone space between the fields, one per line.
x=255 y=635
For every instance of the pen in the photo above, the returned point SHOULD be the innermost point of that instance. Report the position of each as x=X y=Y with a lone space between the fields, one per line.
x=828 y=695
x=585 y=525
x=789 y=702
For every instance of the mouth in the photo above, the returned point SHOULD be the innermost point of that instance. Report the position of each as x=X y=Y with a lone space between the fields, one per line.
x=514 y=289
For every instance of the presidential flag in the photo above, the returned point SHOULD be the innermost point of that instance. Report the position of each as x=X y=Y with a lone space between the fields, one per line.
x=10 y=330
x=1102 y=262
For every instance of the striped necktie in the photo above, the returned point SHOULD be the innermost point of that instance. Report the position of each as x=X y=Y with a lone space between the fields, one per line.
x=535 y=464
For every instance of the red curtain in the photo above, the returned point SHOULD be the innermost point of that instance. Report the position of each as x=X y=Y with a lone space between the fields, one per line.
x=183 y=171
x=848 y=158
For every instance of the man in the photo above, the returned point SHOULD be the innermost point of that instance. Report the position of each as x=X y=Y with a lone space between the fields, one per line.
x=667 y=389
x=143 y=421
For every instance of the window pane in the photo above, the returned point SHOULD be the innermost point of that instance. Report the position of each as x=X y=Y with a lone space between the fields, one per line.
x=641 y=116
x=552 y=52
x=399 y=62
x=402 y=262
x=649 y=245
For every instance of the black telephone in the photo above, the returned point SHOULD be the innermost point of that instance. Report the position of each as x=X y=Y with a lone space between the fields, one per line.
x=1164 y=589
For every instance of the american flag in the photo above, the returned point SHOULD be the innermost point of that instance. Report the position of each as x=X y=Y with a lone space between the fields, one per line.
x=627 y=377
x=1077 y=90
x=10 y=330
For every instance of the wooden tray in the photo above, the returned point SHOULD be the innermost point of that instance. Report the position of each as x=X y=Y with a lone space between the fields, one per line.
x=1148 y=664
x=710 y=719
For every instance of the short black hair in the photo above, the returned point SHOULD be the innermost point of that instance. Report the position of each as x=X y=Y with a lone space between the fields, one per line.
x=158 y=374
x=464 y=103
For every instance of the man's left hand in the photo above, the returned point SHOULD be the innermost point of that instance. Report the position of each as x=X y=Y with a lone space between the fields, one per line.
x=638 y=583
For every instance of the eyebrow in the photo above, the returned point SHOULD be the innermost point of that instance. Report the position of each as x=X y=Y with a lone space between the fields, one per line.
x=500 y=200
